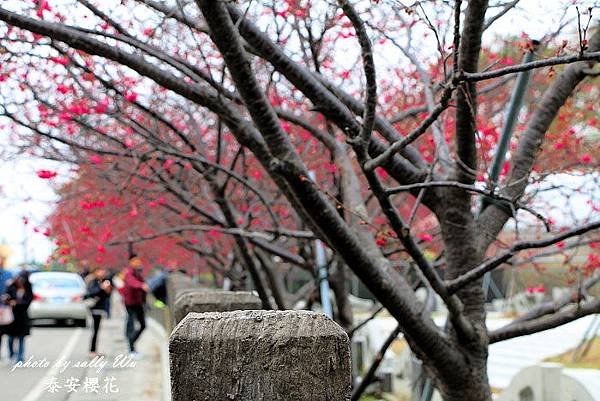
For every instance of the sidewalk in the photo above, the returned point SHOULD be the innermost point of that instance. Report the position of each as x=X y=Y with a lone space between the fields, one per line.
x=133 y=380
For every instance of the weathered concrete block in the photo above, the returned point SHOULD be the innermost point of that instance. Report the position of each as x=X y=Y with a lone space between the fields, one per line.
x=213 y=301
x=176 y=283
x=259 y=355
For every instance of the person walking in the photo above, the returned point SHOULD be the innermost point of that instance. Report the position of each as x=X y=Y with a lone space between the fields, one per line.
x=134 y=297
x=20 y=296
x=5 y=278
x=97 y=295
x=110 y=276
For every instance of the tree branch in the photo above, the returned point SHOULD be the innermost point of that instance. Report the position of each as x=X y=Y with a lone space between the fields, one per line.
x=266 y=235
x=417 y=132
x=492 y=219
x=370 y=375
x=577 y=295
x=547 y=322
x=491 y=264
x=513 y=69
x=369 y=67
x=466 y=99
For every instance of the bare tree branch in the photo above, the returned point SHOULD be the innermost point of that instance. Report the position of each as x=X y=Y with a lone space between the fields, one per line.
x=482 y=76
x=493 y=218
x=491 y=264
x=546 y=322
x=370 y=101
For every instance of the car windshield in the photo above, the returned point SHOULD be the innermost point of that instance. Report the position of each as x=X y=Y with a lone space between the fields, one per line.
x=55 y=282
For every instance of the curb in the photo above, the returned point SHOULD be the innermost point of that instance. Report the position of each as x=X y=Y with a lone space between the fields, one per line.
x=164 y=356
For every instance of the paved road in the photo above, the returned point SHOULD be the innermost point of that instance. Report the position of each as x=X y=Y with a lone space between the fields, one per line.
x=118 y=377
x=48 y=344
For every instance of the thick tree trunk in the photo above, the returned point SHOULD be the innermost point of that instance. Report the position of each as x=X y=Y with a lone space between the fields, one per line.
x=463 y=254
x=472 y=389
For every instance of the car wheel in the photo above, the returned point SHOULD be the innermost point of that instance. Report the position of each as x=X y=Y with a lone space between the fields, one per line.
x=81 y=323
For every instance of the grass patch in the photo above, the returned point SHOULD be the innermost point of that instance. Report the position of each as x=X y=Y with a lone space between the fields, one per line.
x=590 y=361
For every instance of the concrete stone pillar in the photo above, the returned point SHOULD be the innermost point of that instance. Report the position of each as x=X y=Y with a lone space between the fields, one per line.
x=259 y=355
x=176 y=283
x=213 y=301
x=551 y=381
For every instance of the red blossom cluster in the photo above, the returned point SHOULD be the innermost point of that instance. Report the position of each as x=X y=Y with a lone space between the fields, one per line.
x=46 y=174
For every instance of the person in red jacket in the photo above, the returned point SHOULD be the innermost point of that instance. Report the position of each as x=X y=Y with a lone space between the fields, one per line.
x=134 y=297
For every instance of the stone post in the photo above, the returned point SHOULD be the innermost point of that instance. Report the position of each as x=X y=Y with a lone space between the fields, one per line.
x=213 y=301
x=259 y=355
x=176 y=283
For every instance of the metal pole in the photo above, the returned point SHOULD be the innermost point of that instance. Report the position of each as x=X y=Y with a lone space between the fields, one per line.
x=322 y=271
x=323 y=278
x=512 y=115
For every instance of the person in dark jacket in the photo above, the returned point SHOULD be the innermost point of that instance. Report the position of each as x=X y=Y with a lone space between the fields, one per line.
x=20 y=296
x=110 y=276
x=98 y=292
x=158 y=286
x=134 y=297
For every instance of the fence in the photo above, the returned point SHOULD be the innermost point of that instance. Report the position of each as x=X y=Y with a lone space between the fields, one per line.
x=224 y=347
